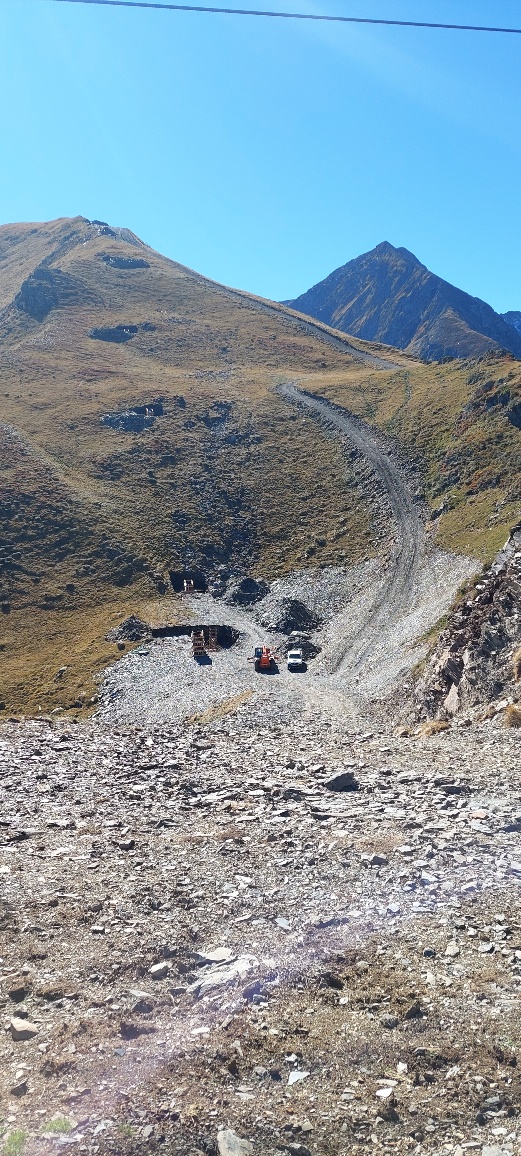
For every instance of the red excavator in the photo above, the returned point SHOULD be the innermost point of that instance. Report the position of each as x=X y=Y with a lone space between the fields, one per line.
x=264 y=658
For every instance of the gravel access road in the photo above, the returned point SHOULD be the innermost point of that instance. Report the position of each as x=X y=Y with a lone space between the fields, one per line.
x=392 y=596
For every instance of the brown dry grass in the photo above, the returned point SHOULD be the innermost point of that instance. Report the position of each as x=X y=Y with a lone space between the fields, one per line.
x=512 y=716
x=229 y=475
x=220 y=710
x=452 y=420
x=432 y=727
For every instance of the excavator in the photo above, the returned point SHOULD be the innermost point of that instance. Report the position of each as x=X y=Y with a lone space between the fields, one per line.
x=264 y=658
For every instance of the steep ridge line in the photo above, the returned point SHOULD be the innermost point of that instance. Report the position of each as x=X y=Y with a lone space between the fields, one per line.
x=393 y=598
x=316 y=329
x=295 y=319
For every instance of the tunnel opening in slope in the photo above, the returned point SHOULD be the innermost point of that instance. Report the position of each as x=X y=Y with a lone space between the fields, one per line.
x=193 y=581
x=226 y=636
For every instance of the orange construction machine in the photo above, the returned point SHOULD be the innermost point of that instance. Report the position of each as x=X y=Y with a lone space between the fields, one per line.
x=264 y=658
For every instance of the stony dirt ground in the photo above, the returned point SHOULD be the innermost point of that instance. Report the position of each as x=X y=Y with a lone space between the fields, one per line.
x=199 y=932
x=239 y=914
x=159 y=681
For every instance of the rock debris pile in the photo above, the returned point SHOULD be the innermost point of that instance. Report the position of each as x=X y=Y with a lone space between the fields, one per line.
x=230 y=940
x=477 y=663
x=132 y=629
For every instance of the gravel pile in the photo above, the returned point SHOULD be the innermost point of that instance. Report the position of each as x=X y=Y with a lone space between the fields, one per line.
x=286 y=615
x=324 y=592
x=246 y=591
x=132 y=629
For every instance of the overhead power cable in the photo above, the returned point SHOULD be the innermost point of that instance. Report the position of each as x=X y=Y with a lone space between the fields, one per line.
x=291 y=15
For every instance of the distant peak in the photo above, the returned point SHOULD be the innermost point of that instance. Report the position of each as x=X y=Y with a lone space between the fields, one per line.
x=385 y=249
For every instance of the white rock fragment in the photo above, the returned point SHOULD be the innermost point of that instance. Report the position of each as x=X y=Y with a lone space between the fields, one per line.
x=159 y=970
x=220 y=955
x=230 y=1144
x=219 y=975
x=296 y=1076
x=22 y=1029
x=452 y=950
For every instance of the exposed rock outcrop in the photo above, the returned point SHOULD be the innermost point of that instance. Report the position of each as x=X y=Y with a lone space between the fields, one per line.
x=48 y=289
x=476 y=665
x=136 y=418
x=513 y=317
x=117 y=262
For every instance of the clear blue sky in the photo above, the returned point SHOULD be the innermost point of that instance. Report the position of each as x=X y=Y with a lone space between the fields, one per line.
x=265 y=153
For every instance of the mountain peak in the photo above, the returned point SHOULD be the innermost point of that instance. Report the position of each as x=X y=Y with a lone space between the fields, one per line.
x=386 y=250
x=387 y=295
x=383 y=249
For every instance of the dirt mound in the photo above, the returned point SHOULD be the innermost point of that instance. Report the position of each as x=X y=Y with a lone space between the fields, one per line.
x=246 y=591
x=286 y=615
x=132 y=629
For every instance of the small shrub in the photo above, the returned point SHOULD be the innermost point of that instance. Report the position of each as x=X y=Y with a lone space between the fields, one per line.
x=512 y=716
x=125 y=1131
x=15 y=1143
x=58 y=1125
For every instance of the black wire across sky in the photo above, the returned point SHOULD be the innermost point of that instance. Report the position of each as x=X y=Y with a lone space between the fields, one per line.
x=291 y=15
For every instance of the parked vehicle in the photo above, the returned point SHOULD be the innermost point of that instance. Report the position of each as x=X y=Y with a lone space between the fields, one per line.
x=294 y=659
x=264 y=658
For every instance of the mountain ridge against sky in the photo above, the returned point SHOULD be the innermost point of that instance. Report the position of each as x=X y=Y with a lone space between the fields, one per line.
x=388 y=295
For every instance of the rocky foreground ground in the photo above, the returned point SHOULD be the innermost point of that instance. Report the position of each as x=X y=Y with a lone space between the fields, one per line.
x=298 y=939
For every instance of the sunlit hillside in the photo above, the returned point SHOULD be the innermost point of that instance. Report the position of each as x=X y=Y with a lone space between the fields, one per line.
x=141 y=434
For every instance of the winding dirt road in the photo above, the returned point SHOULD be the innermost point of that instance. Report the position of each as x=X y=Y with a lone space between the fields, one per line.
x=392 y=597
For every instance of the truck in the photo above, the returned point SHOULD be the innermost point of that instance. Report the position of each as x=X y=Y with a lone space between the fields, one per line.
x=294 y=659
x=264 y=658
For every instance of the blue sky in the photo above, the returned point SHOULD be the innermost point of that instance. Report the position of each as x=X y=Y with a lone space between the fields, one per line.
x=265 y=153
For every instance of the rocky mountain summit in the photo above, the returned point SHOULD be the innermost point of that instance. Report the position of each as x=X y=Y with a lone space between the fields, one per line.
x=388 y=295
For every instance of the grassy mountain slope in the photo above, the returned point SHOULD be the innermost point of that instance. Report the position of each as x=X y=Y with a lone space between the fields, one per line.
x=461 y=422
x=388 y=295
x=99 y=501
x=95 y=515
